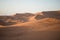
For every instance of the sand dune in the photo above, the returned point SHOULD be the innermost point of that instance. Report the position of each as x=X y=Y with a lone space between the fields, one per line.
x=40 y=26
x=43 y=21
x=47 y=20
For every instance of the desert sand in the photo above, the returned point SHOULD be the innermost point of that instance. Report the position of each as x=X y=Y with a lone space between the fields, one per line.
x=39 y=26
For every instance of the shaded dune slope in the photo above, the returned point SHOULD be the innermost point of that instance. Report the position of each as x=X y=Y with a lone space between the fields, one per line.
x=23 y=33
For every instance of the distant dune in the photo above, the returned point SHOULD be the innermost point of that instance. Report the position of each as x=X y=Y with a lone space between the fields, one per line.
x=45 y=18
x=17 y=18
x=40 y=19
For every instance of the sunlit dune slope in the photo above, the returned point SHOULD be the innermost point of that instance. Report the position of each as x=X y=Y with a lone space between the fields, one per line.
x=43 y=21
x=43 y=24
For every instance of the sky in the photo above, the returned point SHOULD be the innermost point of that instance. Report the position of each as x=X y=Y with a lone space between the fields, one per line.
x=8 y=7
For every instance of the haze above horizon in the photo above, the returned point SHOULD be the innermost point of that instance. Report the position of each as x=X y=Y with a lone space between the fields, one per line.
x=8 y=7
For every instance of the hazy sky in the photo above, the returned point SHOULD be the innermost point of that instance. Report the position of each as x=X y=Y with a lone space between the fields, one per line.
x=14 y=6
